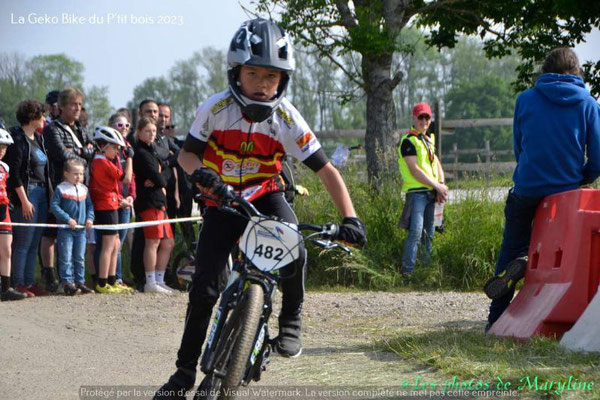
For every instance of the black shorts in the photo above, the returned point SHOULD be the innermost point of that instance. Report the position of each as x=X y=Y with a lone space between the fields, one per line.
x=106 y=217
x=50 y=232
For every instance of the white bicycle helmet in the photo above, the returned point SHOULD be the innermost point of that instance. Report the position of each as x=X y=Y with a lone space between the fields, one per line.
x=260 y=43
x=5 y=138
x=109 y=135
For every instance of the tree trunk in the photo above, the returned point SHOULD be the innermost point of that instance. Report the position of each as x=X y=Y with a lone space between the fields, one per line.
x=381 y=115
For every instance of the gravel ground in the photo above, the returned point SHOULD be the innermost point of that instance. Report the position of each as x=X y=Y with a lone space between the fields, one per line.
x=50 y=347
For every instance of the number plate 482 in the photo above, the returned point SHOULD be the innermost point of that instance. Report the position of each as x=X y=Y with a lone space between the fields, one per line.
x=270 y=244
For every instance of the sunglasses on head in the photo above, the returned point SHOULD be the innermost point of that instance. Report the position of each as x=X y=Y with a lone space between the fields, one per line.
x=169 y=126
x=123 y=125
x=424 y=117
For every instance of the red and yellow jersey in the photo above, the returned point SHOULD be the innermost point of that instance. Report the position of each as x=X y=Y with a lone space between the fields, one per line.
x=248 y=154
x=3 y=179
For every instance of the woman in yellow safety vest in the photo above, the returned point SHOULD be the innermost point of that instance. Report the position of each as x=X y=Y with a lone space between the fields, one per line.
x=423 y=183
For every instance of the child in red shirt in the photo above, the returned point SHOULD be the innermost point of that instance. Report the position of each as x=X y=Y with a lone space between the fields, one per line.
x=104 y=190
x=7 y=293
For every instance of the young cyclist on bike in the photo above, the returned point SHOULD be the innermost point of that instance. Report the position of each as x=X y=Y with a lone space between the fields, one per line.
x=238 y=139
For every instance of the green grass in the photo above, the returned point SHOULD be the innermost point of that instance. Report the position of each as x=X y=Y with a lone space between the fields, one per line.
x=478 y=180
x=468 y=354
x=463 y=257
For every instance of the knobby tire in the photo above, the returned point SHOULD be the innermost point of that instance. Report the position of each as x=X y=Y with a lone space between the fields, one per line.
x=246 y=327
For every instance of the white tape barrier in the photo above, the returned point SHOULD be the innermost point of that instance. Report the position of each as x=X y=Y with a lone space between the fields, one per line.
x=112 y=227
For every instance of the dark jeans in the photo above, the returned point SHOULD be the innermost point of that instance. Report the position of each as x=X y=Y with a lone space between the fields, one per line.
x=519 y=212
x=26 y=240
x=421 y=230
x=124 y=218
x=136 y=263
x=217 y=237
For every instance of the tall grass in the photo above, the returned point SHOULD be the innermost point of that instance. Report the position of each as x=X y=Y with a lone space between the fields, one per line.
x=463 y=256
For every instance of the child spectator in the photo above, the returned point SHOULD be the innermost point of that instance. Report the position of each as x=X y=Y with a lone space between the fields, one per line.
x=7 y=293
x=72 y=205
x=65 y=139
x=127 y=189
x=151 y=203
x=29 y=193
x=104 y=179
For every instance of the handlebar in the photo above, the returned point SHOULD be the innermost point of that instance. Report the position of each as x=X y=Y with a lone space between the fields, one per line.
x=323 y=233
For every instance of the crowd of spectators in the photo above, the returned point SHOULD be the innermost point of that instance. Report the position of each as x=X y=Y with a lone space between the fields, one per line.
x=56 y=170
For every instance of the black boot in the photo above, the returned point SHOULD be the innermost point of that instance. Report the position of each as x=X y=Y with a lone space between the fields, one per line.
x=12 y=294
x=501 y=284
x=50 y=278
x=177 y=386
x=288 y=341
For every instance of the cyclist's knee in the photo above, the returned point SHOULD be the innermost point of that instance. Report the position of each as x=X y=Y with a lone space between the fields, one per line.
x=203 y=295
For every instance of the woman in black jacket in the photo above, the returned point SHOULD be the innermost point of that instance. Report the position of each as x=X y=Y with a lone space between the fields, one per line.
x=29 y=190
x=150 y=205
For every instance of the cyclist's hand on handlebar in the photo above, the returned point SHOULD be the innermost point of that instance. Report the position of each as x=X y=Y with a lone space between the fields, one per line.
x=206 y=178
x=352 y=231
x=210 y=184
x=224 y=192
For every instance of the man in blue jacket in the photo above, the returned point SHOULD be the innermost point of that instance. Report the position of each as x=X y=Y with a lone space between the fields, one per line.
x=556 y=126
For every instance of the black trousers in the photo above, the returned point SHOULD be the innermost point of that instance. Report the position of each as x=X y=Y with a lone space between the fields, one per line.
x=136 y=263
x=217 y=237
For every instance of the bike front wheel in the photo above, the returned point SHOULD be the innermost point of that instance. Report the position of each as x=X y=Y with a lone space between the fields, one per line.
x=247 y=327
x=234 y=346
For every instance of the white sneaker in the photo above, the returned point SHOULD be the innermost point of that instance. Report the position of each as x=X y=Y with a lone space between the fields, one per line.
x=156 y=289
x=164 y=286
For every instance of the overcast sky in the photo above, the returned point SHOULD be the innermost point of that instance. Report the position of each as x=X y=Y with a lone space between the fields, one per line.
x=135 y=39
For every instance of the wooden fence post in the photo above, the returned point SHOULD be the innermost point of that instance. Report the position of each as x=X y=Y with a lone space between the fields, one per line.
x=437 y=129
x=488 y=161
x=455 y=151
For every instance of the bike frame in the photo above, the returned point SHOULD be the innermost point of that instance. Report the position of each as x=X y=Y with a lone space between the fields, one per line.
x=243 y=274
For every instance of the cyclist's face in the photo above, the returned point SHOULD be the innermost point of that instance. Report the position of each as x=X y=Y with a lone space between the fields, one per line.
x=259 y=83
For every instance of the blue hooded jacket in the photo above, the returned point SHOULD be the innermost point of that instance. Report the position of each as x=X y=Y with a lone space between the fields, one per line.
x=556 y=125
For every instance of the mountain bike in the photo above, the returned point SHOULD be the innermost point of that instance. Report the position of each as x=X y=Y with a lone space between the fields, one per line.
x=239 y=345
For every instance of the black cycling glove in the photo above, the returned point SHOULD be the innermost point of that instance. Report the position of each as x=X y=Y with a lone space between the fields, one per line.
x=209 y=179
x=352 y=231
x=206 y=177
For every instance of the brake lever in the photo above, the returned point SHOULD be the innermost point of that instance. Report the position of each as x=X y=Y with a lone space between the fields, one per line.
x=328 y=245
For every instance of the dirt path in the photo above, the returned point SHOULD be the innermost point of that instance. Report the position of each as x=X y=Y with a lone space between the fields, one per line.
x=51 y=347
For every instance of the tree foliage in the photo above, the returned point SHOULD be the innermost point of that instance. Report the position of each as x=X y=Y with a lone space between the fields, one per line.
x=529 y=28
x=33 y=78
x=372 y=32
x=186 y=85
x=54 y=72
x=97 y=105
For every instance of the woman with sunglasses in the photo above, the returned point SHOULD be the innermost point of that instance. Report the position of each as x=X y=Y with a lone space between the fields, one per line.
x=423 y=183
